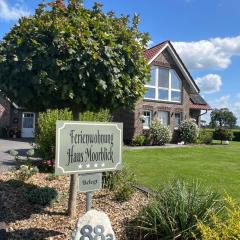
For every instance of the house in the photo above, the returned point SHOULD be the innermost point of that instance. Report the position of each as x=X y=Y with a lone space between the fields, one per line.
x=15 y=121
x=171 y=96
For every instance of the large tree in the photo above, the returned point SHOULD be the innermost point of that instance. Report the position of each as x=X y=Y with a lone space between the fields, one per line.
x=68 y=56
x=223 y=118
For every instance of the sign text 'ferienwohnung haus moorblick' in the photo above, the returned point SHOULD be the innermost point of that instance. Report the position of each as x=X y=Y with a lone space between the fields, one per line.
x=85 y=147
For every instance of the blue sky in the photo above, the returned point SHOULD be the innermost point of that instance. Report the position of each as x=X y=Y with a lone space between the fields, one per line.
x=204 y=32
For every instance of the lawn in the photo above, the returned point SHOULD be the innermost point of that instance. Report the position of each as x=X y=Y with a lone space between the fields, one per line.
x=216 y=166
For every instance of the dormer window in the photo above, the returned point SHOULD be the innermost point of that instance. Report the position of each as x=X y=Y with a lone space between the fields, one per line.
x=165 y=85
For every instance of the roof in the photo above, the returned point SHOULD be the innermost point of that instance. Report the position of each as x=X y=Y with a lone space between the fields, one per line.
x=153 y=52
x=197 y=102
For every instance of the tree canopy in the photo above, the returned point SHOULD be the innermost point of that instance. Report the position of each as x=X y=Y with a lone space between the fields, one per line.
x=68 y=56
x=223 y=118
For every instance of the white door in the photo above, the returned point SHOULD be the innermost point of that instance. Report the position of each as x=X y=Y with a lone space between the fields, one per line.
x=28 y=124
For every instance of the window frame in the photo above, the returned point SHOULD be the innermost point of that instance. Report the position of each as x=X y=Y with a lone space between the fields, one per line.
x=181 y=118
x=150 y=118
x=168 y=117
x=169 y=89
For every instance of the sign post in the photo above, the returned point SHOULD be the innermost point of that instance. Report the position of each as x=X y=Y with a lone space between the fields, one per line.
x=88 y=149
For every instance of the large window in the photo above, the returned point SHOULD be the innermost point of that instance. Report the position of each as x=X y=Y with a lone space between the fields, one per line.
x=163 y=117
x=165 y=85
x=147 y=119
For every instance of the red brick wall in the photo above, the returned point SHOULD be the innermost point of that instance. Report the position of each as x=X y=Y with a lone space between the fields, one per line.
x=5 y=112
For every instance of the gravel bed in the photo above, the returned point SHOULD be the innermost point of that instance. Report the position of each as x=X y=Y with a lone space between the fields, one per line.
x=26 y=221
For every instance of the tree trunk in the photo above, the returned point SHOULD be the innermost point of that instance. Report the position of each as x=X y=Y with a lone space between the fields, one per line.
x=72 y=201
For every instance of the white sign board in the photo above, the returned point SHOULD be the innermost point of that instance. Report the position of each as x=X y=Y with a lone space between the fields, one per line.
x=88 y=147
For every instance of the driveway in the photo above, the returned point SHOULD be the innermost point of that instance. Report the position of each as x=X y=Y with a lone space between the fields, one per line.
x=6 y=160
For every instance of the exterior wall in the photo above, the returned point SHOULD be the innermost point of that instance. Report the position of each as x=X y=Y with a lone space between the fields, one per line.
x=5 y=112
x=127 y=117
x=132 y=119
x=195 y=114
x=10 y=118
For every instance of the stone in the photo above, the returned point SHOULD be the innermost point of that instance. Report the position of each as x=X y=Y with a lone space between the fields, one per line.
x=93 y=225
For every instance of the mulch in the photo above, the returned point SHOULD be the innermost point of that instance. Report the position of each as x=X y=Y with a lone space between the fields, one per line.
x=28 y=221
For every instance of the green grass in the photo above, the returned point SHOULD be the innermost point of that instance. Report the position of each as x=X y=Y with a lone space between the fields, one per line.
x=216 y=166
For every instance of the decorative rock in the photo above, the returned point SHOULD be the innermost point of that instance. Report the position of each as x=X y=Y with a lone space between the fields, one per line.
x=226 y=142
x=94 y=225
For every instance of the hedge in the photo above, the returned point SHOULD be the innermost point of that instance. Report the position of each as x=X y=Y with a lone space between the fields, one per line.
x=236 y=134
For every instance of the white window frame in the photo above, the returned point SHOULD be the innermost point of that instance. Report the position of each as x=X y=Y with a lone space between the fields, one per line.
x=169 y=89
x=168 y=117
x=150 y=119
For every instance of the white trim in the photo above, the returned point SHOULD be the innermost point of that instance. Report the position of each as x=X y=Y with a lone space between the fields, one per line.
x=169 y=89
x=150 y=120
x=161 y=50
x=33 y=128
x=176 y=58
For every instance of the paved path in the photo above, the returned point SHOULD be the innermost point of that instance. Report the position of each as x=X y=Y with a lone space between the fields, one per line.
x=169 y=145
x=6 y=160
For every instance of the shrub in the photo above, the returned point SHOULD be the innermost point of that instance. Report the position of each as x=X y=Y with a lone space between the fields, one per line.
x=46 y=131
x=101 y=116
x=121 y=183
x=139 y=140
x=174 y=211
x=205 y=137
x=52 y=177
x=42 y=196
x=227 y=228
x=14 y=153
x=159 y=134
x=188 y=131
x=223 y=134
x=26 y=171
x=30 y=153
x=236 y=135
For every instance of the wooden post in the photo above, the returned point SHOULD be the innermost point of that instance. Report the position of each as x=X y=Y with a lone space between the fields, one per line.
x=72 y=201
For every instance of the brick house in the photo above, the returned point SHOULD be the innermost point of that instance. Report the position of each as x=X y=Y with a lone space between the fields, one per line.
x=171 y=96
x=15 y=121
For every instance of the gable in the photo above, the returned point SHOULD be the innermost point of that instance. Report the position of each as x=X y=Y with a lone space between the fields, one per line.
x=165 y=53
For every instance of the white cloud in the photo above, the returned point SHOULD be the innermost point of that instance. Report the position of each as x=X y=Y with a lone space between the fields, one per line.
x=14 y=12
x=227 y=101
x=211 y=53
x=210 y=83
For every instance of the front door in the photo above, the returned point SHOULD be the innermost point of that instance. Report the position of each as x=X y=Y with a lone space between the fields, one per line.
x=28 y=124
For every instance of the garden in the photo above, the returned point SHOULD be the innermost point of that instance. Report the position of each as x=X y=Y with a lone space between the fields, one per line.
x=84 y=59
x=160 y=194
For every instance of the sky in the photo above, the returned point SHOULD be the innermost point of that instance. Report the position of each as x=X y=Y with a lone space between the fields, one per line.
x=204 y=33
